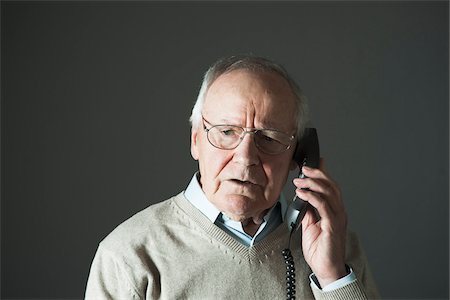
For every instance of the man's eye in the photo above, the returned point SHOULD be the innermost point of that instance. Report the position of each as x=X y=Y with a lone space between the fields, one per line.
x=268 y=139
x=228 y=132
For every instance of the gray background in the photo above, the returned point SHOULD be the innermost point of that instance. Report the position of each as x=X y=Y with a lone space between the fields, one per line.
x=95 y=105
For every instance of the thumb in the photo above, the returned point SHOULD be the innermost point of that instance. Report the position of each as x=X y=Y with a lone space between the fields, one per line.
x=309 y=218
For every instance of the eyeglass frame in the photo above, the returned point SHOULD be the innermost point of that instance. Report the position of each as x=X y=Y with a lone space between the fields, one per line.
x=246 y=130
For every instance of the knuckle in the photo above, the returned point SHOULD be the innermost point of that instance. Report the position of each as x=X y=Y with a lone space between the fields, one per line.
x=311 y=183
x=322 y=204
x=318 y=173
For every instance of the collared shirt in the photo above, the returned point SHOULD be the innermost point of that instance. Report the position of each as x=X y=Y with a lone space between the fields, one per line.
x=271 y=221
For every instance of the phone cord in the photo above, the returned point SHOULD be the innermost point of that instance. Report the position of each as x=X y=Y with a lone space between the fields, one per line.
x=290 y=270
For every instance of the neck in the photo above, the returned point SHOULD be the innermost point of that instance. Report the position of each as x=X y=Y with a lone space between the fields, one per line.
x=250 y=227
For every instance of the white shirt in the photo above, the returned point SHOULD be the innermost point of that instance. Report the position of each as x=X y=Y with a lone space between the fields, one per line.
x=271 y=220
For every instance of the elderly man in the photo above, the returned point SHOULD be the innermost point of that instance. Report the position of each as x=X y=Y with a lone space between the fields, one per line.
x=223 y=237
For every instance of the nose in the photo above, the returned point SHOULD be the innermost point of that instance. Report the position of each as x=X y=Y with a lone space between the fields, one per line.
x=246 y=153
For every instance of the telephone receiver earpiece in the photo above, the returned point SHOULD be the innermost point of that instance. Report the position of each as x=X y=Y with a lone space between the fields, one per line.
x=307 y=153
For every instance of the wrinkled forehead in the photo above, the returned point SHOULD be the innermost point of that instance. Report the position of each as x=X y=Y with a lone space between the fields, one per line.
x=244 y=97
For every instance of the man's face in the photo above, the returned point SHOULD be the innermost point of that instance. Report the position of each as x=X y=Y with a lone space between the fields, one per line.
x=244 y=182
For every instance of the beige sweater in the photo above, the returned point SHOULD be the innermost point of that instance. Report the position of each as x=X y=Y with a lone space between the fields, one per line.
x=172 y=251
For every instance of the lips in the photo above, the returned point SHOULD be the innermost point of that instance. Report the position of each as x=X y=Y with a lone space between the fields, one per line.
x=241 y=181
x=245 y=178
x=249 y=183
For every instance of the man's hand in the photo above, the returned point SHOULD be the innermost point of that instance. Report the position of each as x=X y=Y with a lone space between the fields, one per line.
x=323 y=239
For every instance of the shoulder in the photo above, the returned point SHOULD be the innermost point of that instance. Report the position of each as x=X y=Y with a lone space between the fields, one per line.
x=355 y=255
x=353 y=245
x=357 y=260
x=123 y=259
x=352 y=238
x=139 y=228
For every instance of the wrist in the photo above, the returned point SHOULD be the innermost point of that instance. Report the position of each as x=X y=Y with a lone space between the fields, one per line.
x=333 y=276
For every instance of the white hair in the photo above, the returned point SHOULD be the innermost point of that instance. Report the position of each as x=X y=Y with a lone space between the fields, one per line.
x=254 y=64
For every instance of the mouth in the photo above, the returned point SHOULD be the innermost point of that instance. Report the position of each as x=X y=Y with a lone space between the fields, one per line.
x=242 y=182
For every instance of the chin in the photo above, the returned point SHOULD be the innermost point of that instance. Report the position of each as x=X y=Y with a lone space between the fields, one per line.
x=240 y=207
x=236 y=218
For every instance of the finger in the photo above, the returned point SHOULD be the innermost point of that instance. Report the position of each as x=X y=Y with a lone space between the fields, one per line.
x=327 y=189
x=310 y=218
x=335 y=203
x=320 y=204
x=329 y=221
x=315 y=185
x=314 y=173
x=321 y=174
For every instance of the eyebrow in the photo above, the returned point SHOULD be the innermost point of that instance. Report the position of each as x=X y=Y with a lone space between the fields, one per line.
x=228 y=122
x=225 y=121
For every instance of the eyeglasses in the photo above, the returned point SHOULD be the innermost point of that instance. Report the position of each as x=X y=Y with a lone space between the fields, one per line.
x=228 y=137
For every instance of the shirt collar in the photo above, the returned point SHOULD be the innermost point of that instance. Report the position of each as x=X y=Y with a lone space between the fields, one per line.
x=197 y=197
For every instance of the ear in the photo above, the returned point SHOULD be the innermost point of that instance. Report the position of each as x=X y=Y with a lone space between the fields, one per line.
x=194 y=144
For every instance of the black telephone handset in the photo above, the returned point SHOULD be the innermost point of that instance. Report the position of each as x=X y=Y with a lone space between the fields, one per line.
x=307 y=154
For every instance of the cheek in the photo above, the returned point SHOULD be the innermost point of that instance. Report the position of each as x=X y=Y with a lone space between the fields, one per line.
x=211 y=163
x=277 y=173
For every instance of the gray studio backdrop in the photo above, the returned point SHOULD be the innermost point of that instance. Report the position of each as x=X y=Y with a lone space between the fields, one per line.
x=95 y=105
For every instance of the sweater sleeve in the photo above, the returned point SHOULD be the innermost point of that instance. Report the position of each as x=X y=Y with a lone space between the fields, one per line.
x=351 y=291
x=108 y=278
x=362 y=288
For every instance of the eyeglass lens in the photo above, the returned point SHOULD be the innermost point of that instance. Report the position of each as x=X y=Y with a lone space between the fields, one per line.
x=229 y=137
